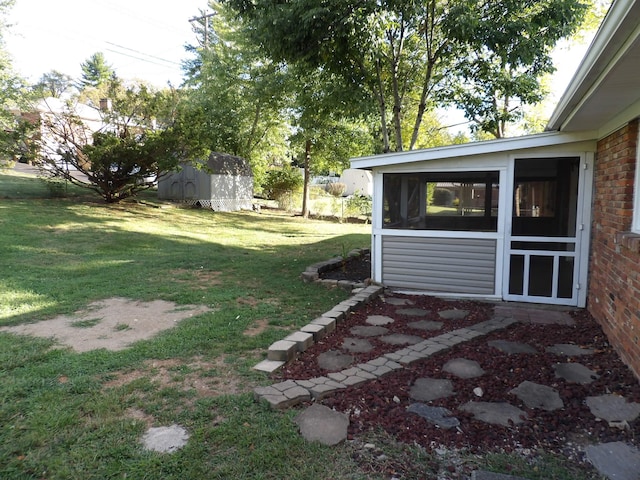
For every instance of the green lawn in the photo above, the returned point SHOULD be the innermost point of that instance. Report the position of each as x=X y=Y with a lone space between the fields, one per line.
x=58 y=255
x=67 y=415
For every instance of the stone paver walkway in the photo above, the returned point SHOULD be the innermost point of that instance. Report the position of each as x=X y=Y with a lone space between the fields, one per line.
x=610 y=408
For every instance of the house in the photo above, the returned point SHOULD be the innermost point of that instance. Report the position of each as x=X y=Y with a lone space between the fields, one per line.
x=224 y=183
x=48 y=113
x=548 y=218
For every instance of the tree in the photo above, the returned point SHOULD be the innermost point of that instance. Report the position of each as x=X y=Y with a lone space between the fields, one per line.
x=404 y=54
x=53 y=84
x=327 y=131
x=501 y=69
x=139 y=138
x=236 y=97
x=96 y=72
x=15 y=130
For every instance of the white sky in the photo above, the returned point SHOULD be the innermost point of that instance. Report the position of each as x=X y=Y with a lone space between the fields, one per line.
x=141 y=39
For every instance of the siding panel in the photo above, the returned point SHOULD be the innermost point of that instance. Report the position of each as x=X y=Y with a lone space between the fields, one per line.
x=447 y=265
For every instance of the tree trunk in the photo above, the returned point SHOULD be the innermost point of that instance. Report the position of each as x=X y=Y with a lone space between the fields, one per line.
x=383 y=109
x=396 y=53
x=423 y=105
x=305 y=185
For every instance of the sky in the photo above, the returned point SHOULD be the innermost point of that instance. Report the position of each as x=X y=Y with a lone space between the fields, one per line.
x=143 y=40
x=140 y=39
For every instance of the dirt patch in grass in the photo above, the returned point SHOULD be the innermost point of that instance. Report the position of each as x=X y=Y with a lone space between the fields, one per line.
x=206 y=378
x=256 y=328
x=197 y=279
x=113 y=323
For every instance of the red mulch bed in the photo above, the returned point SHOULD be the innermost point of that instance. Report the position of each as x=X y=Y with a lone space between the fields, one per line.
x=382 y=403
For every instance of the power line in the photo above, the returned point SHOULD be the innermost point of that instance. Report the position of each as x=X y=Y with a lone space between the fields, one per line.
x=139 y=53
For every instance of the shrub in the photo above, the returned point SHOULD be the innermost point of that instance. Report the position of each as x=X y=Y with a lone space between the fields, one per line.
x=280 y=185
x=336 y=189
x=442 y=197
x=358 y=205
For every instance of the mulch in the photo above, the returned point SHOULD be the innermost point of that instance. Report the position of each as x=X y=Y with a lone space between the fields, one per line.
x=382 y=404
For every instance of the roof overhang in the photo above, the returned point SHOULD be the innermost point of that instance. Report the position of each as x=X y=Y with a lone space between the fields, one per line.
x=515 y=144
x=605 y=91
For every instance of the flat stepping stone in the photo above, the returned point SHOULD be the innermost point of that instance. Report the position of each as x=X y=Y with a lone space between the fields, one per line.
x=438 y=416
x=334 y=361
x=428 y=389
x=453 y=314
x=413 y=312
x=426 y=325
x=575 y=372
x=401 y=339
x=615 y=460
x=569 y=350
x=613 y=408
x=165 y=439
x=379 y=320
x=368 y=331
x=356 y=345
x=511 y=347
x=397 y=301
x=500 y=413
x=321 y=424
x=535 y=395
x=550 y=317
x=463 y=368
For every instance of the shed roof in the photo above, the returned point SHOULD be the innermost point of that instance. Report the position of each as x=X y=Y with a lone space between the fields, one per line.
x=225 y=164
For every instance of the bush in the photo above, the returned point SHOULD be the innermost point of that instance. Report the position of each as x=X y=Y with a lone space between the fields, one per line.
x=280 y=185
x=358 y=205
x=442 y=197
x=336 y=189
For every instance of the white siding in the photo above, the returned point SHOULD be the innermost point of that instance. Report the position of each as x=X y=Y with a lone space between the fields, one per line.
x=445 y=265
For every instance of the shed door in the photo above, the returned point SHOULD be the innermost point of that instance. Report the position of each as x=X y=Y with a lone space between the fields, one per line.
x=544 y=244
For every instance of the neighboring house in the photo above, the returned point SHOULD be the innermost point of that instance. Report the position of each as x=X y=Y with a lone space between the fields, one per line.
x=224 y=183
x=548 y=218
x=49 y=114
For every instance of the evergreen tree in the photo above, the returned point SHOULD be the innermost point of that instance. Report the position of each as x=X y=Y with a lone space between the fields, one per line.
x=96 y=72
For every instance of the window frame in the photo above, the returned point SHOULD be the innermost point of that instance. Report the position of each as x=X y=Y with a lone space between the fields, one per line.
x=635 y=222
x=445 y=223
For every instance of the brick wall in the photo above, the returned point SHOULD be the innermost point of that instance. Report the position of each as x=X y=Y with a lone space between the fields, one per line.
x=614 y=282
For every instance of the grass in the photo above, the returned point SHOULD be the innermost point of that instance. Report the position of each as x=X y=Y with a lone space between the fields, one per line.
x=67 y=415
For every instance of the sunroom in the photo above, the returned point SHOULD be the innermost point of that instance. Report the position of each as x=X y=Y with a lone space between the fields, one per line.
x=504 y=219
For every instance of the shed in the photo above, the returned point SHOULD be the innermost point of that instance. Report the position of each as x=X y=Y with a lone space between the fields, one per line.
x=548 y=218
x=224 y=183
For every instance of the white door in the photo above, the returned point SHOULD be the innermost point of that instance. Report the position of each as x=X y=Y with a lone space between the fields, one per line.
x=546 y=246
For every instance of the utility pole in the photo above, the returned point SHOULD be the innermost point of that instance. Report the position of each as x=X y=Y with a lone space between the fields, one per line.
x=204 y=18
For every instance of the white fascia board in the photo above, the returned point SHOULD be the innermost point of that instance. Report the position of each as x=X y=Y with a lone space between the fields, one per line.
x=612 y=34
x=632 y=111
x=513 y=144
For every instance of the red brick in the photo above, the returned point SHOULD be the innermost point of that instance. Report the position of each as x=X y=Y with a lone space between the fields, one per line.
x=614 y=283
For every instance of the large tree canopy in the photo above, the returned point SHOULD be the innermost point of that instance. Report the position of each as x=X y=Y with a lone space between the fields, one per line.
x=236 y=97
x=407 y=54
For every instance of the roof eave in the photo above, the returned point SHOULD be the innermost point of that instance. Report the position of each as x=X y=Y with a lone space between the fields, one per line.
x=472 y=149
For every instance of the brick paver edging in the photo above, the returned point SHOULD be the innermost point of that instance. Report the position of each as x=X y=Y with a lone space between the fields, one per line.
x=285 y=350
x=312 y=273
x=291 y=392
